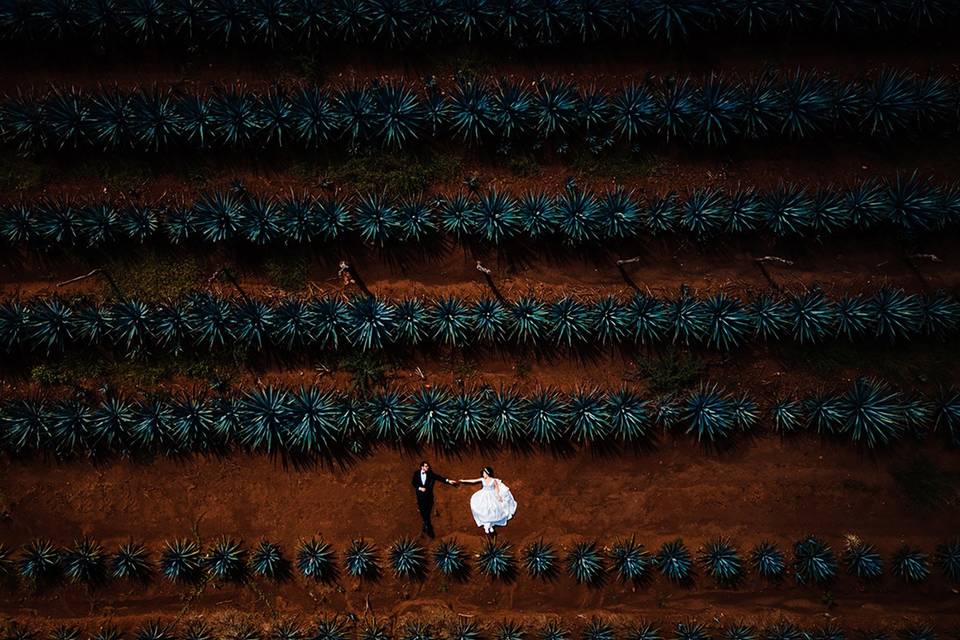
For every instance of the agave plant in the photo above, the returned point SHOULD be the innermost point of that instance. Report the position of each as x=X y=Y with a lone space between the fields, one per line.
x=529 y=321
x=767 y=560
x=312 y=421
x=578 y=216
x=267 y=560
x=570 y=320
x=674 y=561
x=690 y=631
x=948 y=557
x=709 y=413
x=496 y=560
x=787 y=415
x=449 y=320
x=629 y=416
x=508 y=630
x=722 y=561
x=703 y=215
x=226 y=559
x=371 y=322
x=598 y=629
x=374 y=631
x=917 y=632
x=360 y=560
x=198 y=630
x=431 y=412
x=728 y=321
x=862 y=559
x=813 y=561
x=316 y=559
x=450 y=558
x=330 y=628
x=910 y=564
x=897 y=314
x=547 y=416
x=465 y=629
x=739 y=631
x=589 y=420
x=286 y=630
x=264 y=413
x=85 y=561
x=388 y=415
x=417 y=630
x=40 y=560
x=873 y=413
x=783 y=630
x=539 y=559
x=585 y=563
x=407 y=558
x=553 y=630
x=181 y=560
x=630 y=560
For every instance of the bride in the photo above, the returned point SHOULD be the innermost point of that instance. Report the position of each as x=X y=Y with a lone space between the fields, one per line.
x=493 y=505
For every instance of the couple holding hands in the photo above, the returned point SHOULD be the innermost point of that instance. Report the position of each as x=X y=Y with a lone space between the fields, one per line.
x=491 y=506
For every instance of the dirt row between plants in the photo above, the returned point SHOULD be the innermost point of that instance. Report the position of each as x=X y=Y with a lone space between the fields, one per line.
x=765 y=489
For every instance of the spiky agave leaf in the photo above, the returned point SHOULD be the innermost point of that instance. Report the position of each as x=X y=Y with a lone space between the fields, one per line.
x=107 y=632
x=470 y=417
x=783 y=630
x=131 y=561
x=40 y=560
x=496 y=560
x=24 y=425
x=69 y=426
x=554 y=108
x=630 y=560
x=67 y=116
x=313 y=116
x=65 y=632
x=413 y=322
x=598 y=629
x=539 y=559
x=508 y=630
x=372 y=322
x=910 y=564
x=787 y=210
x=722 y=561
x=578 y=216
x=813 y=561
x=431 y=414
x=489 y=319
x=767 y=560
x=465 y=629
x=729 y=322
x=855 y=316
x=92 y=323
x=771 y=315
x=110 y=424
x=787 y=414
x=538 y=214
x=806 y=103
x=872 y=413
x=398 y=114
x=513 y=109
x=690 y=631
x=155 y=630
x=415 y=219
x=709 y=413
x=192 y=423
x=675 y=108
x=912 y=203
x=450 y=558
x=211 y=320
x=234 y=116
x=529 y=320
x=553 y=630
x=897 y=313
x=389 y=415
x=286 y=630
x=548 y=415
x=717 y=111
x=152 y=425
x=98 y=224
x=226 y=559
x=687 y=318
x=316 y=559
x=332 y=318
x=633 y=112
x=674 y=561
x=744 y=211
x=265 y=413
x=472 y=112
x=496 y=218
x=609 y=320
x=824 y=411
x=181 y=560
x=889 y=103
x=571 y=321
x=198 y=630
x=649 y=317
x=293 y=322
x=739 y=631
x=449 y=320
x=941 y=315
x=219 y=216
x=861 y=559
x=408 y=558
x=375 y=218
x=458 y=215
x=588 y=417
x=618 y=214
x=51 y=324
x=827 y=211
x=311 y=421
x=585 y=563
x=267 y=560
x=629 y=415
x=812 y=316
x=374 y=631
x=948 y=557
x=417 y=630
x=360 y=560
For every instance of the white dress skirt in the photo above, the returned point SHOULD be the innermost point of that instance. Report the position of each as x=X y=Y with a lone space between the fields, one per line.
x=488 y=509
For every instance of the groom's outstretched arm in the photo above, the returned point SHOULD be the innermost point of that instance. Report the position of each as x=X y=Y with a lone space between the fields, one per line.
x=440 y=478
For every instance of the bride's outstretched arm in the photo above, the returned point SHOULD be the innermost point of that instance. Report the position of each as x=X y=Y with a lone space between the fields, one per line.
x=468 y=481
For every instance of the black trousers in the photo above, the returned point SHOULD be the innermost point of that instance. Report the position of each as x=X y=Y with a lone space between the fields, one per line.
x=425 y=507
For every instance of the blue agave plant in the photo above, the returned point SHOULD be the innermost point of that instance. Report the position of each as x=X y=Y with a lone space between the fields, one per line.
x=376 y=219
x=226 y=559
x=311 y=417
x=585 y=563
x=131 y=561
x=629 y=416
x=431 y=415
x=674 y=561
x=450 y=321
x=897 y=313
x=709 y=413
x=630 y=560
x=767 y=560
x=813 y=561
x=690 y=631
x=181 y=560
x=787 y=414
x=473 y=114
x=548 y=415
x=371 y=322
x=85 y=561
x=872 y=413
x=813 y=316
x=722 y=561
x=388 y=416
x=910 y=564
x=862 y=559
x=633 y=112
x=529 y=321
x=360 y=560
x=717 y=111
x=316 y=559
x=267 y=560
x=948 y=557
x=450 y=558
x=539 y=559
x=650 y=318
x=496 y=560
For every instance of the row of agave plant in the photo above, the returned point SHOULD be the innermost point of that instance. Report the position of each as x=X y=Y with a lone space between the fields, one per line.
x=312 y=422
x=401 y=22
x=587 y=562
x=352 y=627
x=212 y=323
x=907 y=203
x=395 y=113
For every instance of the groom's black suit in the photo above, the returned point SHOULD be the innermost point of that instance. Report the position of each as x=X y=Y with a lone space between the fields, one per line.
x=425 y=498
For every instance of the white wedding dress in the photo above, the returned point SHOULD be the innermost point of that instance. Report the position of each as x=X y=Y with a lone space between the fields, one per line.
x=489 y=509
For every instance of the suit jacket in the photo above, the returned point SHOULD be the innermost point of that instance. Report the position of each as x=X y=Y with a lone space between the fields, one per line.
x=432 y=478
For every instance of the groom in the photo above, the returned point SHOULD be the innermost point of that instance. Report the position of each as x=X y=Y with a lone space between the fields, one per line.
x=423 y=481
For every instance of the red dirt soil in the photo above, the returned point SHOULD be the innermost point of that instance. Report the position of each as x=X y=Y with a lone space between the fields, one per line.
x=765 y=489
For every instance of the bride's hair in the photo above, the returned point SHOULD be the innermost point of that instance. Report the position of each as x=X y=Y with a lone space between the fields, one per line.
x=487 y=470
